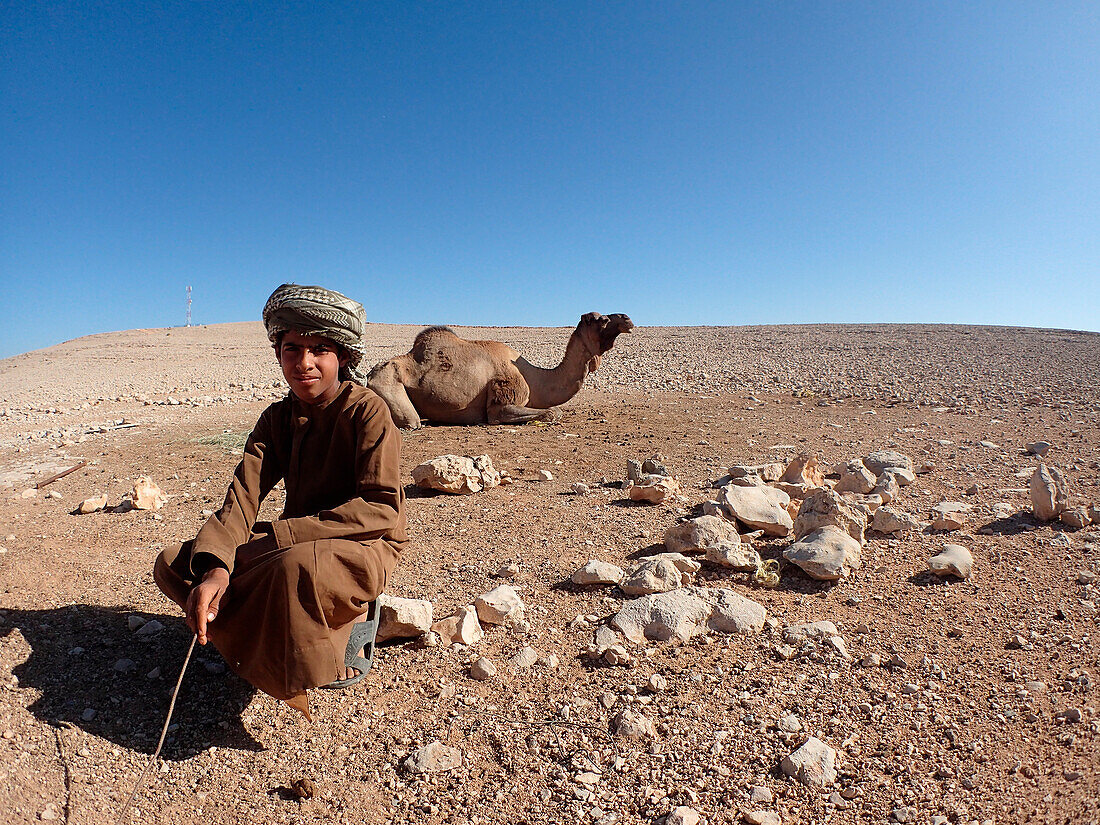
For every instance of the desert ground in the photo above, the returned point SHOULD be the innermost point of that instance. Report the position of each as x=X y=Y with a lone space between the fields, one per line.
x=946 y=700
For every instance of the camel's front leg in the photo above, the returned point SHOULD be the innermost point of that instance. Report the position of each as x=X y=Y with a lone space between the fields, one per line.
x=514 y=414
x=384 y=381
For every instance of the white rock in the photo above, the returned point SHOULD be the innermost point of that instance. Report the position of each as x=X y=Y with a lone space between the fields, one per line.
x=146 y=495
x=544 y=475
x=697 y=534
x=954 y=559
x=826 y=554
x=950 y=515
x=762 y=508
x=1039 y=448
x=457 y=474
x=761 y=818
x=682 y=613
x=598 y=572
x=855 y=478
x=90 y=505
x=1075 y=517
x=651 y=489
x=652 y=576
x=892 y=520
x=798 y=634
x=887 y=488
x=813 y=764
x=741 y=557
x=435 y=757
x=824 y=507
x=461 y=628
x=1049 y=494
x=501 y=606
x=682 y=562
x=765 y=472
x=482 y=669
x=400 y=618
x=882 y=460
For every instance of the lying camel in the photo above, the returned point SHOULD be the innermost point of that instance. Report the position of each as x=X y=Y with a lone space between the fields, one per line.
x=449 y=380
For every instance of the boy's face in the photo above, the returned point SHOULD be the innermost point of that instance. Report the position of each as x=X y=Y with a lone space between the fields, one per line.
x=311 y=365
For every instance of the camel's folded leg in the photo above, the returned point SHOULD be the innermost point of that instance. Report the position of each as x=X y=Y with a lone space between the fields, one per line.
x=515 y=414
x=383 y=380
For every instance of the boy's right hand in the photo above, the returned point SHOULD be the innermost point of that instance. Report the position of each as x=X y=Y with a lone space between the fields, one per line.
x=205 y=599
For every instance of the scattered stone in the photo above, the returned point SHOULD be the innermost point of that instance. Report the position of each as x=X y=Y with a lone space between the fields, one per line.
x=1049 y=495
x=682 y=613
x=824 y=507
x=950 y=515
x=125 y=666
x=904 y=814
x=1075 y=517
x=761 y=818
x=544 y=475
x=581 y=489
x=761 y=508
x=461 y=628
x=741 y=557
x=953 y=560
x=51 y=813
x=435 y=757
x=881 y=461
x=400 y=618
x=461 y=475
x=91 y=505
x=598 y=572
x=855 y=478
x=802 y=475
x=657 y=683
x=626 y=724
x=652 y=489
x=892 y=520
x=813 y=764
x=88 y=714
x=1039 y=448
x=482 y=669
x=30 y=492
x=146 y=495
x=500 y=606
x=652 y=576
x=761 y=795
x=789 y=723
x=633 y=469
x=133 y=621
x=826 y=554
x=618 y=655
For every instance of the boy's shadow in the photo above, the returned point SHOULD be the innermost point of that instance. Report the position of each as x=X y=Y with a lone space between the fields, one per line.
x=93 y=673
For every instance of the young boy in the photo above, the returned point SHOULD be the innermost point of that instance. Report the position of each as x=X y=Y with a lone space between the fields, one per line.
x=288 y=603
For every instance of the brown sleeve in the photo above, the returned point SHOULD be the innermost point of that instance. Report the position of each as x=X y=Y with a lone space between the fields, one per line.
x=378 y=509
x=253 y=479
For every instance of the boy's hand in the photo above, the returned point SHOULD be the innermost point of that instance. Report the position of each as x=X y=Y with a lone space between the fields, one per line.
x=205 y=599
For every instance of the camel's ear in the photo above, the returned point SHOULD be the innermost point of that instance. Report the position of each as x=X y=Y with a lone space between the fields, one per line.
x=594 y=318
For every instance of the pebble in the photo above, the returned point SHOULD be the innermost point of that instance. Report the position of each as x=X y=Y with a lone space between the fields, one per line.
x=544 y=475
x=761 y=818
x=954 y=559
x=88 y=715
x=482 y=669
x=125 y=666
x=50 y=813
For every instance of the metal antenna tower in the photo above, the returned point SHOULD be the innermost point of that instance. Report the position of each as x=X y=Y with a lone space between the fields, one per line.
x=188 y=306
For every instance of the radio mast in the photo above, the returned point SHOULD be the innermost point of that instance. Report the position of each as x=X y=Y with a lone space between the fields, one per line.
x=188 y=306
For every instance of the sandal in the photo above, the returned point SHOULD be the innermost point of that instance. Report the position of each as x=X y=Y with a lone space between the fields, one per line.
x=362 y=638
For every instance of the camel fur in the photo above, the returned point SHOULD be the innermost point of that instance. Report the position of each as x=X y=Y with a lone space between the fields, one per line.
x=449 y=380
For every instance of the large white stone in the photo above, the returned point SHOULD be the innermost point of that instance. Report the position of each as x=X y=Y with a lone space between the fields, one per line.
x=1049 y=495
x=650 y=489
x=598 y=572
x=825 y=554
x=760 y=508
x=855 y=478
x=435 y=757
x=652 y=576
x=823 y=507
x=697 y=534
x=953 y=560
x=400 y=618
x=501 y=605
x=891 y=520
x=880 y=461
x=682 y=613
x=461 y=628
x=813 y=764
x=459 y=474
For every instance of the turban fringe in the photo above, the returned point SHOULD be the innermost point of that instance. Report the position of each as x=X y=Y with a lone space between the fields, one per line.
x=314 y=310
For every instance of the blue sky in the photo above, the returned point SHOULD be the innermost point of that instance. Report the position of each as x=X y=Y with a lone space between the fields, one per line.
x=521 y=163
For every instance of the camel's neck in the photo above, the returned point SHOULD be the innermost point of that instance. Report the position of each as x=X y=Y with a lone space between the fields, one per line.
x=550 y=387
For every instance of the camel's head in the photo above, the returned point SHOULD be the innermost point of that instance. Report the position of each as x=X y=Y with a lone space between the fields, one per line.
x=598 y=332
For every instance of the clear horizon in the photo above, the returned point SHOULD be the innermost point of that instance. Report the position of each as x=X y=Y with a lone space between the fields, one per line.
x=687 y=164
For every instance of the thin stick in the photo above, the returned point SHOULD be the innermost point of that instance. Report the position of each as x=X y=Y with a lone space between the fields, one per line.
x=163 y=732
x=62 y=474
